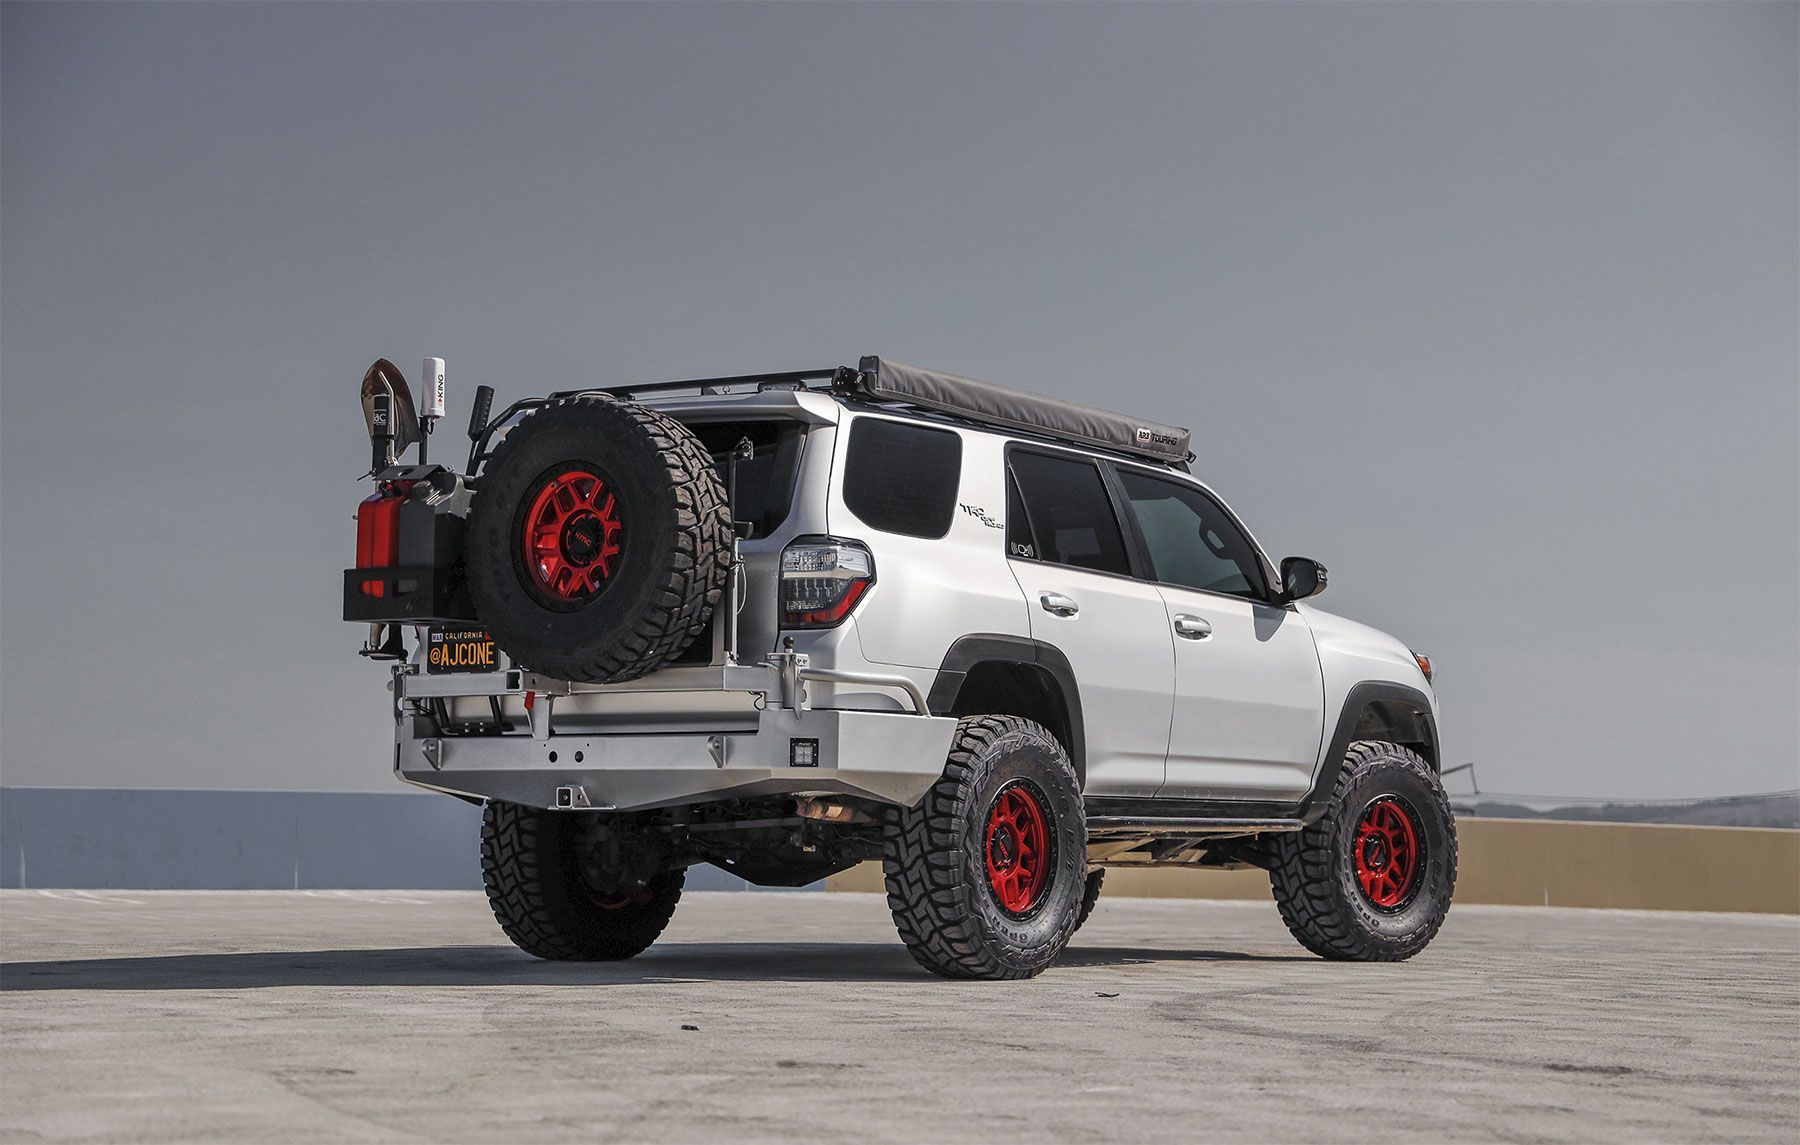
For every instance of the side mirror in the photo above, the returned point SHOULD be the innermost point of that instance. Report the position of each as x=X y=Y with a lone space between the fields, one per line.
x=1301 y=577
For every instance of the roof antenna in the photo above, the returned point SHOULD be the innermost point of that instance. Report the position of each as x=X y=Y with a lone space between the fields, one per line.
x=431 y=401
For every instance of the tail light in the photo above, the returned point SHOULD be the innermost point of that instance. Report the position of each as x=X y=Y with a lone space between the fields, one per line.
x=378 y=532
x=822 y=581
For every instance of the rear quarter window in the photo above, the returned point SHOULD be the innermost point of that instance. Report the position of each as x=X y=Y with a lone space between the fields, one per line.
x=903 y=478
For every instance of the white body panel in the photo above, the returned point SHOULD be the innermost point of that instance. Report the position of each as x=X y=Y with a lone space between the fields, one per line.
x=1352 y=654
x=929 y=592
x=1120 y=648
x=1248 y=701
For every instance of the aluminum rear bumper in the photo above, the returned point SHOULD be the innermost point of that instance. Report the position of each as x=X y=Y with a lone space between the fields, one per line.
x=886 y=756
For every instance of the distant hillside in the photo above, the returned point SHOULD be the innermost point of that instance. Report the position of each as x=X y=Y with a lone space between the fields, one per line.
x=1781 y=809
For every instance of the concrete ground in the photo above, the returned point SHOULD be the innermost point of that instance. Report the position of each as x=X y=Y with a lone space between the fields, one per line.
x=378 y=1016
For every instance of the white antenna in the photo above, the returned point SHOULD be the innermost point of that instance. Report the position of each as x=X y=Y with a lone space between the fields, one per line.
x=433 y=397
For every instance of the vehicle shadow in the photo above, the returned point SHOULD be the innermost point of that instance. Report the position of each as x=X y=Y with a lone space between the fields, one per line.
x=504 y=966
x=1122 y=955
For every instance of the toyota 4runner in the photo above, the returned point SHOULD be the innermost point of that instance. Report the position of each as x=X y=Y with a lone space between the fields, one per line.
x=787 y=623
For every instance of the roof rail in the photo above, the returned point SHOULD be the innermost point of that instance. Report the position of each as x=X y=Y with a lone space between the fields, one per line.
x=837 y=376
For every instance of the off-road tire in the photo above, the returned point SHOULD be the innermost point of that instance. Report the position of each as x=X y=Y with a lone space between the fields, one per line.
x=936 y=862
x=1313 y=872
x=1090 y=895
x=528 y=865
x=675 y=535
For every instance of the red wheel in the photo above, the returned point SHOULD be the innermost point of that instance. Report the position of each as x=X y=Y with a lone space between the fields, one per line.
x=1387 y=854
x=572 y=536
x=1017 y=842
x=1371 y=878
x=985 y=874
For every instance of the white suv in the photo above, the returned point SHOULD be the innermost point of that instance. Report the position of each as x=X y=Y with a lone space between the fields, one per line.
x=788 y=623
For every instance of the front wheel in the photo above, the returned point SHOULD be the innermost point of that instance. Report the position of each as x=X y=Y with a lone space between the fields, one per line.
x=1370 y=880
x=985 y=876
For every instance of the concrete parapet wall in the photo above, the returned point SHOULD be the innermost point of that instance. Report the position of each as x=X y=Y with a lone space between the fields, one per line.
x=1521 y=862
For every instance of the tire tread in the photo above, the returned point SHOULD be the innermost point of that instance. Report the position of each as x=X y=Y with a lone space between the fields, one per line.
x=924 y=868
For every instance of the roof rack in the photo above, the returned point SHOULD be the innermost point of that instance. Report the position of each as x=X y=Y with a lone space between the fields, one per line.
x=835 y=378
x=887 y=382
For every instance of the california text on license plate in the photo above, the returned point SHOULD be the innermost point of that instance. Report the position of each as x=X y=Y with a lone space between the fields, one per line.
x=460 y=650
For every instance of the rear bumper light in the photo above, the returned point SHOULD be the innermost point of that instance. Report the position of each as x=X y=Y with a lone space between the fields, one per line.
x=822 y=581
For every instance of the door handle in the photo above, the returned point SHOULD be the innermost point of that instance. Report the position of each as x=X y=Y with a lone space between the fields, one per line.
x=1056 y=604
x=1192 y=627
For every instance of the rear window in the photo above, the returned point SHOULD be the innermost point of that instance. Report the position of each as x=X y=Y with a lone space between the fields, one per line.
x=765 y=483
x=903 y=478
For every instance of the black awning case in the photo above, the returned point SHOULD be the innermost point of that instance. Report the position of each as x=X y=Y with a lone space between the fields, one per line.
x=1017 y=409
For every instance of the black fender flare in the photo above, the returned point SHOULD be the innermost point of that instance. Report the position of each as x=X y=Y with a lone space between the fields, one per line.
x=1356 y=702
x=989 y=648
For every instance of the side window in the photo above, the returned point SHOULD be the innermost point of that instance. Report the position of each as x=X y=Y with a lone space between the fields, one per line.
x=1192 y=541
x=903 y=478
x=1071 y=517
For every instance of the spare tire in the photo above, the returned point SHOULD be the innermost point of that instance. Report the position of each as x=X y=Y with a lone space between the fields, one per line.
x=599 y=539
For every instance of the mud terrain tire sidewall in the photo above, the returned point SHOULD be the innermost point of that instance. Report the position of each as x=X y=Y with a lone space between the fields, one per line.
x=1090 y=895
x=936 y=864
x=1314 y=871
x=675 y=541
x=534 y=885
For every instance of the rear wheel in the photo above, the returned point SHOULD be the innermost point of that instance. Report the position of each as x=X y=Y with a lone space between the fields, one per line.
x=1371 y=879
x=549 y=906
x=985 y=877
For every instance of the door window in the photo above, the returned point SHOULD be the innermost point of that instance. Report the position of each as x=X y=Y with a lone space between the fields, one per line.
x=1192 y=541
x=1069 y=514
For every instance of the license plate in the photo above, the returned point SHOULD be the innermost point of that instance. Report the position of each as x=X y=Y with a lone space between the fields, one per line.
x=460 y=650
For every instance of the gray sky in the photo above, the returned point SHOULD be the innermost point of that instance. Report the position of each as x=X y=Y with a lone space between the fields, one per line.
x=1493 y=309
